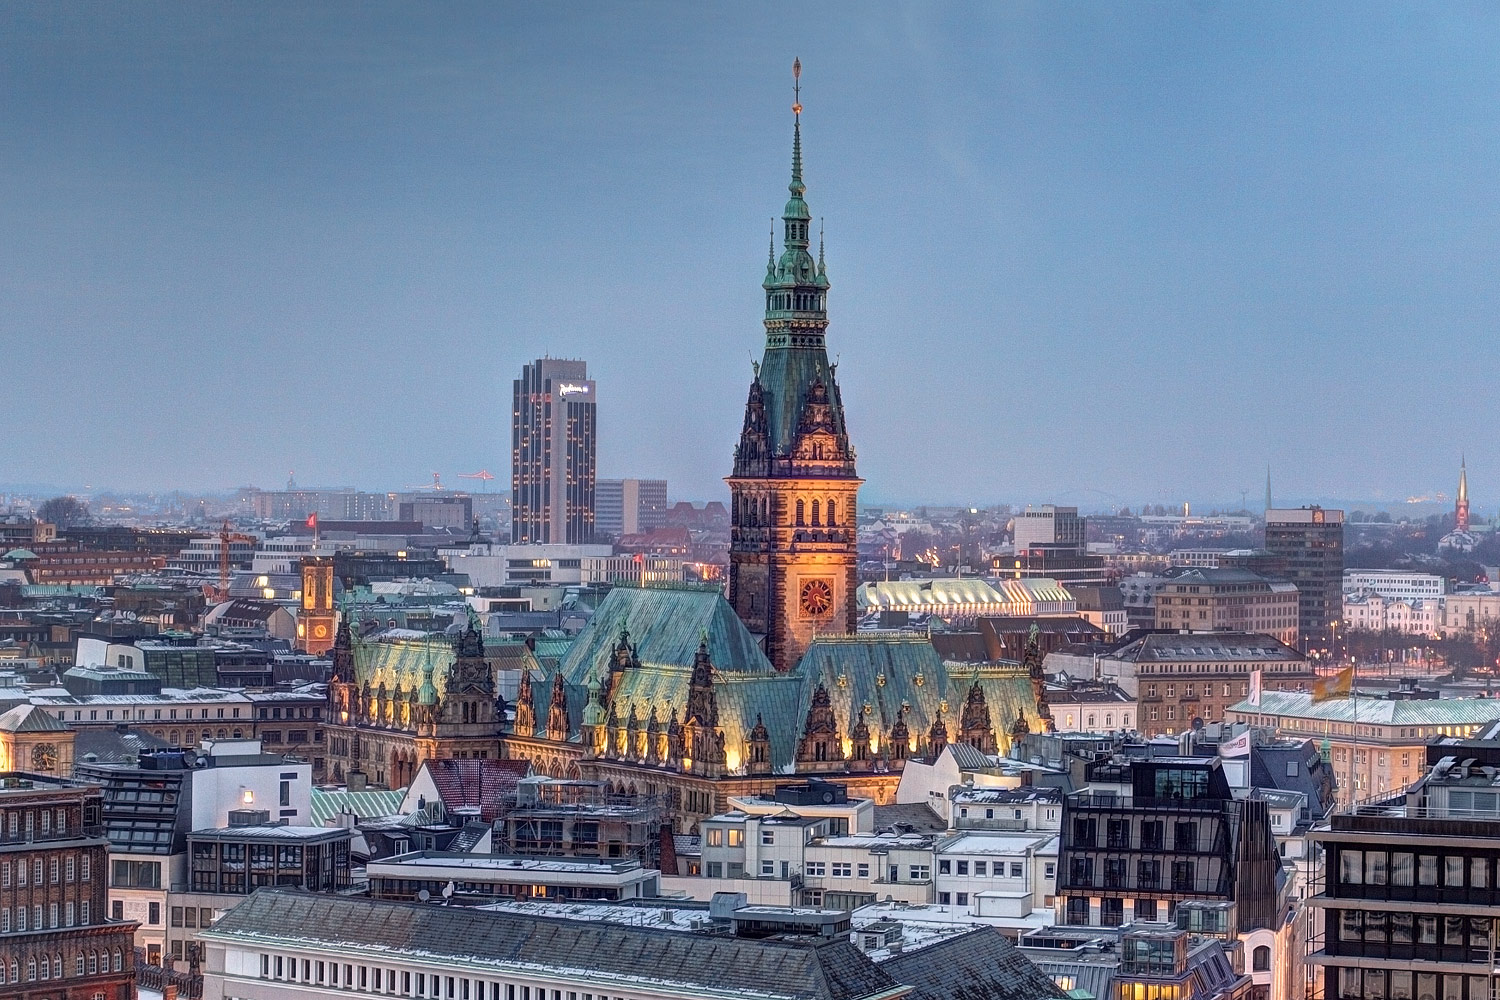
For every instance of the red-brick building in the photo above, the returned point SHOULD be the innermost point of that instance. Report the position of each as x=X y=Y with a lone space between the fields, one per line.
x=56 y=939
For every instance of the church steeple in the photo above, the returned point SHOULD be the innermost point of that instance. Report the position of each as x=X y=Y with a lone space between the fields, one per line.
x=1461 y=503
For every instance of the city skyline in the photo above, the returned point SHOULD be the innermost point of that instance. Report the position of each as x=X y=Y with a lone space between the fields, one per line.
x=1155 y=264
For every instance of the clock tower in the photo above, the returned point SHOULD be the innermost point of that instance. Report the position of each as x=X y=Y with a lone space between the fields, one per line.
x=317 y=620
x=792 y=554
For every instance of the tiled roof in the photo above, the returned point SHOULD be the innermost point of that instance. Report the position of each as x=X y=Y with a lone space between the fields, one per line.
x=488 y=783
x=699 y=964
x=979 y=965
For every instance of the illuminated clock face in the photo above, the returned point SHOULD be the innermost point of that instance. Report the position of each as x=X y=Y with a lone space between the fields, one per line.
x=44 y=757
x=321 y=631
x=817 y=598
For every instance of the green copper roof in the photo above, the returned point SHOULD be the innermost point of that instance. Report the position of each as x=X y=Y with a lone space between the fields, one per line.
x=665 y=625
x=887 y=671
x=402 y=664
x=883 y=671
x=369 y=804
x=786 y=374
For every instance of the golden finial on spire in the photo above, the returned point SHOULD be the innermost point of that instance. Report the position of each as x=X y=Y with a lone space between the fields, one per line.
x=797 y=87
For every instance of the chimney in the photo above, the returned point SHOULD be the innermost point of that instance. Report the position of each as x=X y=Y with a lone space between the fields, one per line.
x=169 y=992
x=355 y=783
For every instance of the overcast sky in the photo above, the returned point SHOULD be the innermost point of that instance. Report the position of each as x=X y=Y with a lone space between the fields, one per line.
x=1078 y=251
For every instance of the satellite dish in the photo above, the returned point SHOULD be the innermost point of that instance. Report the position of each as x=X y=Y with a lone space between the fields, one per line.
x=448 y=891
x=423 y=896
x=827 y=797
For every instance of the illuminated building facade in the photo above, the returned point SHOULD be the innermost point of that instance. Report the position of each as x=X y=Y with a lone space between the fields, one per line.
x=792 y=554
x=552 y=453
x=396 y=702
x=316 y=623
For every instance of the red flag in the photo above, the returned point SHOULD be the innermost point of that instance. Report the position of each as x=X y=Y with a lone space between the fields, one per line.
x=312 y=520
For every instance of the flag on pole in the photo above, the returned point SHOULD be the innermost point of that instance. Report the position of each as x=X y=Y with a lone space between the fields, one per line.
x=1237 y=747
x=1254 y=698
x=312 y=520
x=1340 y=685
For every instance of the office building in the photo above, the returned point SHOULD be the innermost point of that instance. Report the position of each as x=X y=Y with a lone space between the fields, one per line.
x=1397 y=584
x=56 y=936
x=1228 y=600
x=552 y=453
x=1179 y=677
x=1311 y=540
x=1165 y=839
x=1049 y=525
x=151 y=806
x=1375 y=745
x=629 y=506
x=1411 y=890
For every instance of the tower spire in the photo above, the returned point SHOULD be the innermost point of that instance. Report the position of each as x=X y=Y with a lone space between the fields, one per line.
x=1268 y=488
x=1461 y=502
x=797 y=188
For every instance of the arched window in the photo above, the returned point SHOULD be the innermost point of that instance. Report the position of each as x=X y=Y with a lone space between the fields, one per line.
x=15 y=971
x=223 y=734
x=832 y=516
x=57 y=966
x=175 y=738
x=93 y=964
x=817 y=521
x=31 y=969
x=1261 y=959
x=800 y=519
x=119 y=961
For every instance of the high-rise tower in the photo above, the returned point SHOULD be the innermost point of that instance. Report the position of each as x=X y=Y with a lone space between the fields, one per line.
x=552 y=454
x=792 y=554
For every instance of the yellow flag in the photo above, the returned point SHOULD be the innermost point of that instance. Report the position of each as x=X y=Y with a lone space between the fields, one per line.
x=1340 y=685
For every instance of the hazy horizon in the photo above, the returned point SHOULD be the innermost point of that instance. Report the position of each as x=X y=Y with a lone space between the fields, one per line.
x=1134 y=252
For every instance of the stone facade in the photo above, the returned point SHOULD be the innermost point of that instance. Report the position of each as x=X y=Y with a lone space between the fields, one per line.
x=793 y=557
x=384 y=721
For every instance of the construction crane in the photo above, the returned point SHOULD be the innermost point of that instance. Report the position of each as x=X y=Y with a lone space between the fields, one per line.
x=221 y=593
x=483 y=475
x=436 y=484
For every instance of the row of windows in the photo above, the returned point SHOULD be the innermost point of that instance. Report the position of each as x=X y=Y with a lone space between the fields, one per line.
x=981 y=869
x=36 y=918
x=1383 y=928
x=1398 y=984
x=65 y=868
x=402 y=982
x=1082 y=873
x=1208 y=689
x=29 y=821
x=1150 y=835
x=140 y=714
x=1405 y=868
x=45 y=967
x=818 y=869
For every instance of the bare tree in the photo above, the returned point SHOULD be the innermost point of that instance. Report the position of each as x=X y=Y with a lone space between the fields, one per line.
x=65 y=512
